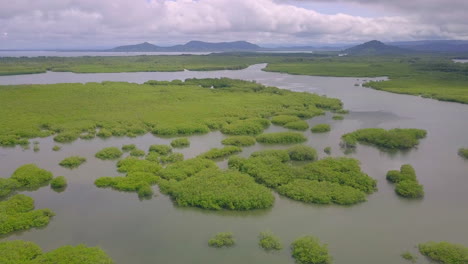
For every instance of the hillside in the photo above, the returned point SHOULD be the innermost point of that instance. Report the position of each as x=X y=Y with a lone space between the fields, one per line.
x=192 y=46
x=373 y=48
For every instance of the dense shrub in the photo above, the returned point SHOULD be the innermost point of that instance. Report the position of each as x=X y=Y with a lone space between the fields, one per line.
x=180 y=143
x=337 y=117
x=145 y=190
x=109 y=153
x=269 y=241
x=463 y=152
x=17 y=213
x=344 y=171
x=8 y=186
x=105 y=133
x=320 y=128
x=216 y=153
x=409 y=189
x=246 y=127
x=284 y=119
x=129 y=147
x=137 y=153
x=171 y=158
x=80 y=254
x=153 y=156
x=308 y=250
x=321 y=192
x=181 y=129
x=297 y=125
x=132 y=164
x=410 y=257
x=160 y=149
x=134 y=181
x=214 y=189
x=240 y=141
x=58 y=182
x=72 y=162
x=406 y=173
x=281 y=154
x=18 y=252
x=31 y=176
x=398 y=138
x=222 y=239
x=56 y=148
x=67 y=136
x=444 y=252
x=281 y=138
x=302 y=153
x=187 y=168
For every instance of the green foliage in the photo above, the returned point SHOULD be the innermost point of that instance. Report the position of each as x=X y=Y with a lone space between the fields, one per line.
x=327 y=150
x=104 y=133
x=134 y=181
x=320 y=128
x=109 y=153
x=297 y=125
x=145 y=191
x=308 y=250
x=17 y=213
x=171 y=158
x=180 y=143
x=8 y=186
x=132 y=164
x=184 y=169
x=160 y=149
x=406 y=173
x=344 y=171
x=214 y=189
x=409 y=189
x=137 y=153
x=153 y=156
x=282 y=120
x=410 y=257
x=58 y=182
x=129 y=147
x=31 y=176
x=281 y=138
x=321 y=192
x=269 y=241
x=281 y=154
x=302 y=153
x=18 y=252
x=216 y=153
x=444 y=252
x=398 y=138
x=72 y=162
x=240 y=141
x=67 y=136
x=56 y=148
x=222 y=239
x=246 y=127
x=337 y=117
x=463 y=152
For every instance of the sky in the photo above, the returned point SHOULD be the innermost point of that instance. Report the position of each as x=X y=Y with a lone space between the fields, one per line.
x=71 y=24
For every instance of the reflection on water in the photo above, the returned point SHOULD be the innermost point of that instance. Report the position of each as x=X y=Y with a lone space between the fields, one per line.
x=157 y=231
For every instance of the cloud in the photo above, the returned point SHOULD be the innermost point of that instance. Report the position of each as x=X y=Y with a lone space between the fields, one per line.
x=74 y=23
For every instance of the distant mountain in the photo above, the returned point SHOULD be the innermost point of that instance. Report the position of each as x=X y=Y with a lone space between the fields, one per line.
x=448 y=46
x=192 y=46
x=375 y=47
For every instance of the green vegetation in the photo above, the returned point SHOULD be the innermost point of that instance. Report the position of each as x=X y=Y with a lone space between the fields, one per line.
x=302 y=153
x=463 y=152
x=137 y=153
x=308 y=250
x=216 y=153
x=182 y=170
x=109 y=153
x=215 y=189
x=410 y=257
x=337 y=117
x=132 y=164
x=17 y=213
x=222 y=239
x=281 y=154
x=321 y=128
x=22 y=252
x=30 y=176
x=269 y=241
x=281 y=138
x=58 y=182
x=8 y=186
x=407 y=184
x=282 y=120
x=240 y=141
x=56 y=148
x=181 y=108
x=180 y=143
x=171 y=158
x=327 y=150
x=160 y=149
x=398 y=138
x=445 y=252
x=127 y=148
x=36 y=148
x=72 y=162
x=297 y=125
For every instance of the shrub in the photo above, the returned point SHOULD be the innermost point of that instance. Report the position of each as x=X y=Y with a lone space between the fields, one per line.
x=214 y=189
x=240 y=141
x=216 y=153
x=268 y=241
x=171 y=158
x=72 y=162
x=18 y=252
x=410 y=257
x=281 y=154
x=297 y=125
x=409 y=189
x=327 y=150
x=160 y=149
x=321 y=128
x=7 y=186
x=134 y=181
x=137 y=153
x=393 y=176
x=56 y=148
x=145 y=191
x=58 y=182
x=109 y=153
x=132 y=164
x=281 y=138
x=282 y=120
x=67 y=136
x=152 y=156
x=337 y=117
x=463 y=152
x=129 y=147
x=181 y=170
x=390 y=139
x=302 y=153
x=321 y=192
x=80 y=254
x=444 y=252
x=222 y=239
x=245 y=127
x=104 y=133
x=180 y=143
x=31 y=176
x=308 y=250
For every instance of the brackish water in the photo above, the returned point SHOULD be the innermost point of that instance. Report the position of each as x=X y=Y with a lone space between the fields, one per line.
x=156 y=231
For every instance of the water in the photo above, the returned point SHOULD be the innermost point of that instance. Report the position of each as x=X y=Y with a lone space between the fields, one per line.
x=87 y=53
x=156 y=231
x=461 y=60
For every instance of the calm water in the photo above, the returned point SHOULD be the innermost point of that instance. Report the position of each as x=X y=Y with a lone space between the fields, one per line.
x=155 y=231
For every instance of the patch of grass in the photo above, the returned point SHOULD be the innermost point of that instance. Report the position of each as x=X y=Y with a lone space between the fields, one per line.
x=410 y=257
x=281 y=138
x=56 y=148
x=132 y=182
x=110 y=153
x=215 y=190
x=171 y=158
x=8 y=186
x=31 y=176
x=282 y=120
x=180 y=143
x=18 y=252
x=184 y=169
x=281 y=154
x=268 y=241
x=222 y=239
x=246 y=127
x=407 y=184
x=308 y=250
x=337 y=117
x=320 y=128
x=297 y=125
x=160 y=149
x=444 y=252
x=72 y=162
x=129 y=147
x=216 y=153
x=240 y=141
x=302 y=153
x=132 y=164
x=137 y=153
x=398 y=138
x=58 y=182
x=463 y=152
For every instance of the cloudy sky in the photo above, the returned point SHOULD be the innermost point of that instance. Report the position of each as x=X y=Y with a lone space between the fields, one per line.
x=108 y=23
